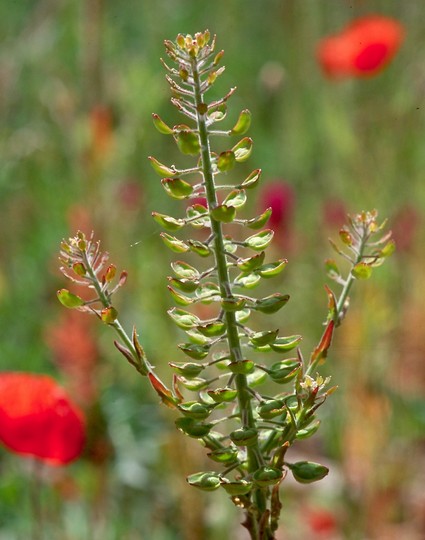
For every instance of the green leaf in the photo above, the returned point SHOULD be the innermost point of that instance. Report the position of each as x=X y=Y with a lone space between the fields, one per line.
x=260 y=241
x=272 y=303
x=272 y=269
x=223 y=213
x=160 y=125
x=248 y=281
x=284 y=344
x=168 y=222
x=306 y=472
x=197 y=352
x=176 y=245
x=243 y=123
x=160 y=168
x=251 y=263
x=242 y=150
x=185 y=270
x=236 y=198
x=207 y=481
x=251 y=180
x=183 y=319
x=69 y=300
x=226 y=161
x=362 y=270
x=187 y=369
x=259 y=221
x=177 y=188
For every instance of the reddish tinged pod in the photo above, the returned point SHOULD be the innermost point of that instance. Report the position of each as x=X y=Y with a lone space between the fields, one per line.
x=362 y=49
x=37 y=418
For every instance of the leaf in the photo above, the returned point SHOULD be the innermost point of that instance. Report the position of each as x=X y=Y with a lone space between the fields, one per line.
x=164 y=393
x=260 y=241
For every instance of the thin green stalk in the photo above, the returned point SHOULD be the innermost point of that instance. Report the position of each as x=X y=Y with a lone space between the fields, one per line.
x=244 y=396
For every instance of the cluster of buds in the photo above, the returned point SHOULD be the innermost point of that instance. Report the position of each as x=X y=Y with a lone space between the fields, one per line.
x=216 y=389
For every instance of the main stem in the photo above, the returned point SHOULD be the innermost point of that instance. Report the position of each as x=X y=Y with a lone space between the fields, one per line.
x=244 y=396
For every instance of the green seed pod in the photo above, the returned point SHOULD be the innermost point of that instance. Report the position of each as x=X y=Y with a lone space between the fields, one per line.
x=194 y=409
x=226 y=161
x=272 y=303
x=207 y=481
x=306 y=472
x=187 y=369
x=244 y=436
x=108 y=315
x=69 y=300
x=267 y=476
x=271 y=408
x=189 y=426
x=285 y=370
x=224 y=455
x=177 y=188
x=236 y=487
x=220 y=395
x=223 y=213
x=243 y=367
x=243 y=123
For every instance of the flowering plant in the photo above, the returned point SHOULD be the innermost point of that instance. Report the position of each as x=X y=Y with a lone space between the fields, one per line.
x=216 y=391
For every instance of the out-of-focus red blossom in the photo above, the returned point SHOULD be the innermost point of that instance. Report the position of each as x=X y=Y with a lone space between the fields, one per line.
x=76 y=354
x=130 y=194
x=101 y=124
x=405 y=223
x=37 y=418
x=334 y=213
x=361 y=49
x=321 y=521
x=280 y=197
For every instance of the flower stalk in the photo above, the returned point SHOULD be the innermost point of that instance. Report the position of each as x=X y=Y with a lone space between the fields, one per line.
x=215 y=391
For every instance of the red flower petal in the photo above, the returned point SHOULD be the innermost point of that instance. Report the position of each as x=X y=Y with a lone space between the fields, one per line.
x=38 y=419
x=362 y=49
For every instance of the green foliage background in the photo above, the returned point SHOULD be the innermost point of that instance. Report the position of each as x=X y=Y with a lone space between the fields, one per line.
x=359 y=142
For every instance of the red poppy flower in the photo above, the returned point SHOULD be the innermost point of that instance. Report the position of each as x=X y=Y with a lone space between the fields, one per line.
x=38 y=419
x=362 y=49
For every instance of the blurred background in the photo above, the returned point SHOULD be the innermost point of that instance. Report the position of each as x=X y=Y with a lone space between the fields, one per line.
x=78 y=83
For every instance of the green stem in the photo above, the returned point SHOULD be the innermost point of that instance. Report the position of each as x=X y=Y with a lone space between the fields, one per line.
x=244 y=396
